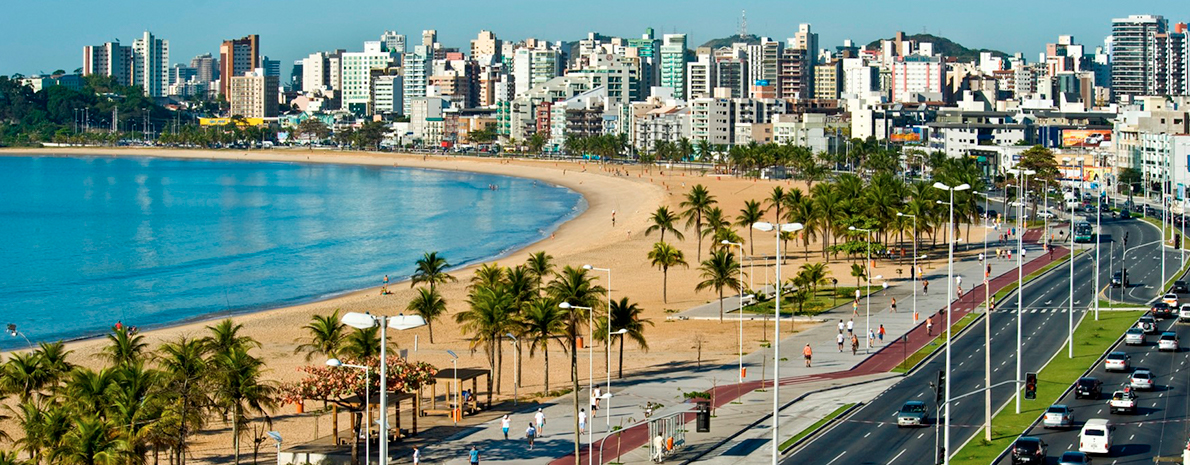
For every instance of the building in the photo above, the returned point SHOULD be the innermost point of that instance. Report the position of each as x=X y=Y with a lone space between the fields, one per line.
x=417 y=68
x=1170 y=64
x=427 y=120
x=236 y=57
x=828 y=80
x=673 y=64
x=917 y=78
x=206 y=67
x=700 y=77
x=616 y=73
x=806 y=40
x=387 y=94
x=795 y=80
x=322 y=71
x=253 y=95
x=392 y=42
x=486 y=45
x=648 y=49
x=271 y=67
x=109 y=59
x=711 y=121
x=357 y=75
x=1133 y=60
x=150 y=65
x=534 y=67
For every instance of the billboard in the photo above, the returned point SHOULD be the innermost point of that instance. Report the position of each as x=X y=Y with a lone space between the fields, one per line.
x=911 y=135
x=1085 y=137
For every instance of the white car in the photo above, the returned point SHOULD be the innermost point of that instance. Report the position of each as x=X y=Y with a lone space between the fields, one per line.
x=1117 y=361
x=1095 y=438
x=1134 y=337
x=1171 y=299
x=1058 y=416
x=1168 y=341
x=1184 y=313
x=1141 y=379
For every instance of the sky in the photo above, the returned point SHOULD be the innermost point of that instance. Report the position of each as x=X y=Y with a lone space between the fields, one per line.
x=46 y=35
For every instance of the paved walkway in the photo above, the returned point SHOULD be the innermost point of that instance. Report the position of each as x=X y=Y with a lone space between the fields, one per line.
x=738 y=407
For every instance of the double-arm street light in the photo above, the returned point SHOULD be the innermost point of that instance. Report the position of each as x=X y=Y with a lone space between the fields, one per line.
x=516 y=374
x=913 y=272
x=400 y=323
x=740 y=307
x=868 y=280
x=574 y=369
x=334 y=362
x=778 y=229
x=950 y=227
x=1020 y=275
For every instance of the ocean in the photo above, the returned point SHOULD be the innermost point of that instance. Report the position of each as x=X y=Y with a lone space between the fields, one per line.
x=86 y=242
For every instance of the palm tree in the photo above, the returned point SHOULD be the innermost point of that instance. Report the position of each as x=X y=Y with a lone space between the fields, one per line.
x=136 y=405
x=24 y=374
x=719 y=271
x=239 y=389
x=814 y=274
x=125 y=347
x=665 y=256
x=11 y=458
x=326 y=336
x=628 y=316
x=715 y=220
x=488 y=317
x=663 y=220
x=540 y=264
x=362 y=343
x=225 y=336
x=776 y=199
x=752 y=213
x=431 y=269
x=697 y=202
x=52 y=358
x=858 y=272
x=574 y=286
x=184 y=366
x=428 y=303
x=90 y=442
x=827 y=208
x=540 y=322
x=89 y=391
x=489 y=275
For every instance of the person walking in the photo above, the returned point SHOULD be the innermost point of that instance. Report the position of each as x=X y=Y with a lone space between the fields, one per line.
x=808 y=353
x=416 y=455
x=504 y=424
x=530 y=433
x=925 y=287
x=930 y=325
x=894 y=305
x=851 y=326
x=871 y=337
x=840 y=326
x=539 y=417
x=582 y=420
x=854 y=344
x=881 y=334
x=839 y=339
x=474 y=456
x=596 y=394
x=658 y=448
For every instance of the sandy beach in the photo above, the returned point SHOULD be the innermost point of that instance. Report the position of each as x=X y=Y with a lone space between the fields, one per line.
x=632 y=192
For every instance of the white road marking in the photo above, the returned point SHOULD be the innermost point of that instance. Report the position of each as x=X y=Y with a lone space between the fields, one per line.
x=869 y=434
x=836 y=458
x=894 y=459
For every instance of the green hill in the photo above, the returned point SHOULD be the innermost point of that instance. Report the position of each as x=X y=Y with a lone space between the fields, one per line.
x=750 y=39
x=945 y=47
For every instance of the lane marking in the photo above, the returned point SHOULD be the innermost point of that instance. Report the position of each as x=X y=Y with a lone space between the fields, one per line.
x=894 y=459
x=836 y=458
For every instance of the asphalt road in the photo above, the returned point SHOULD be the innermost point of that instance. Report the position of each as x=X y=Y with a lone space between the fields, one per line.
x=870 y=435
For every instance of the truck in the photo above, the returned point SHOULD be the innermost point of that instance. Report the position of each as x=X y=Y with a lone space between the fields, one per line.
x=1123 y=402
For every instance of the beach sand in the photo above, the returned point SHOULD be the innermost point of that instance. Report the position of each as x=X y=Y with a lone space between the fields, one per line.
x=632 y=192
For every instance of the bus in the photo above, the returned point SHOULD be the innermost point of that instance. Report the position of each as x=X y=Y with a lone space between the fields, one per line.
x=1082 y=232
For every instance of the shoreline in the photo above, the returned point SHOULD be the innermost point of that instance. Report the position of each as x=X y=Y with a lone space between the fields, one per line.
x=559 y=230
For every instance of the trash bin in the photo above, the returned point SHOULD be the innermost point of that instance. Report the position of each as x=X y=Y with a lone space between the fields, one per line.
x=703 y=417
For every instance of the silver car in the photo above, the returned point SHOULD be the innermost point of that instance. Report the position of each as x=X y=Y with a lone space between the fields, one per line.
x=1141 y=379
x=1134 y=337
x=1058 y=416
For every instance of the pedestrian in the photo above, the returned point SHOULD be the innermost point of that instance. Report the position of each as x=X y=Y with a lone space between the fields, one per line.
x=840 y=326
x=981 y=258
x=851 y=326
x=808 y=353
x=881 y=334
x=504 y=424
x=958 y=292
x=416 y=455
x=871 y=337
x=839 y=339
x=474 y=456
x=854 y=344
x=596 y=394
x=582 y=420
x=855 y=306
x=658 y=448
x=925 y=287
x=894 y=305
x=930 y=325
x=539 y=417
x=531 y=433
x=1051 y=248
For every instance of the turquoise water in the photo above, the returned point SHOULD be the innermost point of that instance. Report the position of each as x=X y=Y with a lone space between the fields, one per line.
x=87 y=242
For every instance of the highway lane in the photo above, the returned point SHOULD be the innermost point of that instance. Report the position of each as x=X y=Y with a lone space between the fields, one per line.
x=870 y=435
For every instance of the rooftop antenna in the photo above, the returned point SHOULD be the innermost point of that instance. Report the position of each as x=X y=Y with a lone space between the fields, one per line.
x=743 y=24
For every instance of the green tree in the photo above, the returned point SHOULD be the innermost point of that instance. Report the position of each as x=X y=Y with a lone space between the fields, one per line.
x=665 y=256
x=431 y=269
x=430 y=305
x=858 y=272
x=541 y=322
x=776 y=199
x=664 y=220
x=751 y=213
x=124 y=347
x=240 y=390
x=313 y=129
x=135 y=408
x=326 y=336
x=362 y=343
x=225 y=336
x=625 y=315
x=719 y=271
x=186 y=381
x=698 y=201
x=24 y=375
x=540 y=264
x=487 y=319
x=90 y=442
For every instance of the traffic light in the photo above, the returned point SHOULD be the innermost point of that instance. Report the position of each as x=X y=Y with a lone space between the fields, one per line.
x=1030 y=385
x=938 y=393
x=1125 y=238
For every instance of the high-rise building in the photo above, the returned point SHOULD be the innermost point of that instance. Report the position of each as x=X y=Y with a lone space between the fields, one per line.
x=806 y=40
x=253 y=95
x=271 y=67
x=828 y=80
x=418 y=65
x=110 y=59
x=918 y=77
x=486 y=44
x=387 y=94
x=533 y=67
x=648 y=48
x=393 y=42
x=357 y=77
x=794 y=80
x=150 y=65
x=1133 y=57
x=1170 y=62
x=321 y=70
x=206 y=67
x=181 y=73
x=236 y=57
x=295 y=75
x=673 y=64
x=429 y=37
x=700 y=77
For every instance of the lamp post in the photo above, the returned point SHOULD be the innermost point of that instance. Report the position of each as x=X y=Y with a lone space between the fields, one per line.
x=400 y=323
x=454 y=365
x=608 y=407
x=12 y=331
x=949 y=302
x=516 y=374
x=334 y=362
x=778 y=229
x=1070 y=330
x=1020 y=275
x=913 y=272
x=740 y=310
x=867 y=284
x=574 y=369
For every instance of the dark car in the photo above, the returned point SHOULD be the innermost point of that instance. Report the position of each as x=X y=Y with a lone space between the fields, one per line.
x=1119 y=279
x=1028 y=449
x=1074 y=458
x=1179 y=287
x=1125 y=215
x=1161 y=310
x=1088 y=387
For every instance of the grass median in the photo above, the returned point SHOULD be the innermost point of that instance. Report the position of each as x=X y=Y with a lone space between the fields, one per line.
x=1092 y=339
x=818 y=424
x=928 y=349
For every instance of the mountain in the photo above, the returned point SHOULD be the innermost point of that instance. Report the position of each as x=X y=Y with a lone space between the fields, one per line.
x=750 y=39
x=945 y=47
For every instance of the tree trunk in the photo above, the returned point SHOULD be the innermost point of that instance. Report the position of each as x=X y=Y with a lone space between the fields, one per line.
x=698 y=232
x=499 y=363
x=721 y=303
x=355 y=429
x=430 y=326
x=621 y=370
x=235 y=431
x=545 y=351
x=665 y=284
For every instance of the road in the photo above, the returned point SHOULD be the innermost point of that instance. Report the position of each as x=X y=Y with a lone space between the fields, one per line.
x=870 y=435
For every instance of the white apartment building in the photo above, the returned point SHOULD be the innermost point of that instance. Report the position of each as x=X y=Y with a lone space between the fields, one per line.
x=673 y=64
x=532 y=67
x=619 y=74
x=711 y=120
x=357 y=75
x=253 y=95
x=417 y=68
x=426 y=118
x=150 y=65
x=109 y=59
x=388 y=95
x=917 y=78
x=701 y=77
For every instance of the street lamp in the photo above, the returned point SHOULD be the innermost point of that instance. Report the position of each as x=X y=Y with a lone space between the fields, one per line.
x=740 y=310
x=608 y=408
x=574 y=370
x=1070 y=330
x=1020 y=275
x=12 y=331
x=516 y=374
x=334 y=362
x=400 y=323
x=778 y=229
x=454 y=365
x=913 y=272
x=868 y=284
x=949 y=302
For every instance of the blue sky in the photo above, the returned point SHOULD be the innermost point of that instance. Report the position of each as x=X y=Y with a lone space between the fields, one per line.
x=46 y=35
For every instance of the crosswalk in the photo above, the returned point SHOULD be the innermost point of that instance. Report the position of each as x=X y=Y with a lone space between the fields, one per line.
x=1043 y=310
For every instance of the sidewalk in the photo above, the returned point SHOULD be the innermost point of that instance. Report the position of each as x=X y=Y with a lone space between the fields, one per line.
x=737 y=407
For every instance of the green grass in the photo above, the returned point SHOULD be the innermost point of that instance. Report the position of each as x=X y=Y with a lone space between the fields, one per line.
x=928 y=349
x=1106 y=304
x=1093 y=339
x=816 y=425
x=824 y=299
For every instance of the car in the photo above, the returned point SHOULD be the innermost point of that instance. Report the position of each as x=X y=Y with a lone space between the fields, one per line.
x=1123 y=401
x=1162 y=310
x=1141 y=379
x=1088 y=387
x=1119 y=279
x=1046 y=215
x=1096 y=436
x=913 y=413
x=1074 y=458
x=1168 y=341
x=1134 y=337
x=1147 y=323
x=1179 y=287
x=1117 y=361
x=1028 y=449
x=1184 y=313
x=1125 y=215
x=1058 y=416
x=1170 y=299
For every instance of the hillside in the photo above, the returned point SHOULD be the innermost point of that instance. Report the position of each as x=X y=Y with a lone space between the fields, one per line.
x=751 y=39
x=945 y=47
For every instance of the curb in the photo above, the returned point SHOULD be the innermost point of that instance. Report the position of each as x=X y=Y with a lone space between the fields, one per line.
x=831 y=423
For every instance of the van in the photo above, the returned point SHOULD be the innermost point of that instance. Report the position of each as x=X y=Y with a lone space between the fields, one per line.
x=1095 y=437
